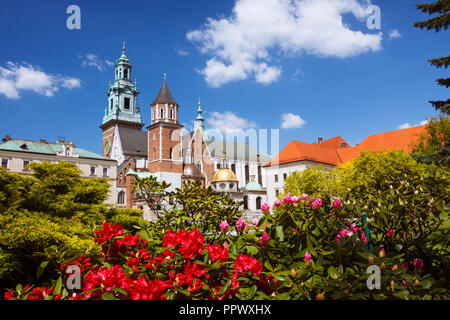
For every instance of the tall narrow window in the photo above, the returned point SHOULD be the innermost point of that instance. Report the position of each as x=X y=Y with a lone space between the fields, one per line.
x=170 y=114
x=5 y=163
x=233 y=168
x=125 y=74
x=121 y=197
x=111 y=104
x=247 y=174
x=171 y=154
x=276 y=178
x=258 y=203
x=92 y=171
x=161 y=113
x=245 y=202
x=259 y=176
x=105 y=172
x=126 y=103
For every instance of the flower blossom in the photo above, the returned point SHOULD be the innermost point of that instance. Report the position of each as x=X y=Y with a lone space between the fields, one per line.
x=224 y=225
x=308 y=257
x=418 y=264
x=241 y=224
x=265 y=207
x=265 y=238
x=277 y=203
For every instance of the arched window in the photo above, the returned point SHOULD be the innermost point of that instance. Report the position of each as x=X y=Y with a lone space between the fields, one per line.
x=170 y=114
x=258 y=203
x=161 y=113
x=126 y=74
x=171 y=153
x=233 y=168
x=245 y=202
x=199 y=165
x=121 y=197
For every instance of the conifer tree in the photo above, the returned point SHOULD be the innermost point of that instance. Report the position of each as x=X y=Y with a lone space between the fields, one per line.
x=439 y=23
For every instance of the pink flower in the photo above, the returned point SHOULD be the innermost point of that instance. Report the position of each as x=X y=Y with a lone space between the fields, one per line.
x=316 y=204
x=337 y=204
x=405 y=283
x=307 y=256
x=255 y=222
x=286 y=199
x=224 y=225
x=277 y=203
x=304 y=197
x=295 y=199
x=241 y=224
x=382 y=253
x=390 y=232
x=265 y=207
x=405 y=265
x=265 y=238
x=418 y=264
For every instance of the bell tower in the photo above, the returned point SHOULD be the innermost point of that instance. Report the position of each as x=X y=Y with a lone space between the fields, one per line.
x=122 y=109
x=164 y=138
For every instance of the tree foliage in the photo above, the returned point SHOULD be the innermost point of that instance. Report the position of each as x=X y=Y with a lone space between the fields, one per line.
x=438 y=23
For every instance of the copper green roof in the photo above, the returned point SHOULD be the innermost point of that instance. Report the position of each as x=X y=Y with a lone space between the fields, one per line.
x=27 y=146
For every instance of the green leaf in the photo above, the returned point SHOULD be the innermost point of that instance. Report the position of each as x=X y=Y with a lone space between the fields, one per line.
x=252 y=291
x=225 y=287
x=252 y=250
x=108 y=296
x=268 y=265
x=279 y=233
x=58 y=286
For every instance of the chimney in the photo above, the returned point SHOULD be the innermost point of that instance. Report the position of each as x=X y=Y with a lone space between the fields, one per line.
x=6 y=138
x=319 y=140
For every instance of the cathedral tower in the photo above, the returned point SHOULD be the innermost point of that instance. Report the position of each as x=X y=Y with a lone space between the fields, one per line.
x=164 y=138
x=122 y=116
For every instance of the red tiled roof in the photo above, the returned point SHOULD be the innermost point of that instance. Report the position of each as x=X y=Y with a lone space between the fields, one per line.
x=332 y=152
x=334 y=143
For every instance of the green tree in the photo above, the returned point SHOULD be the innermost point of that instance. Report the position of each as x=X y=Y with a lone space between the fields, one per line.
x=438 y=23
x=434 y=146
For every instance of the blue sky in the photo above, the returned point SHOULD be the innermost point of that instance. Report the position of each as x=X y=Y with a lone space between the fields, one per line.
x=252 y=62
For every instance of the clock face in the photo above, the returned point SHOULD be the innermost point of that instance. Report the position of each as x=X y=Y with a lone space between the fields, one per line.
x=107 y=148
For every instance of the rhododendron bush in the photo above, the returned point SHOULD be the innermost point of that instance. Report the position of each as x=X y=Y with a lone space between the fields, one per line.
x=303 y=247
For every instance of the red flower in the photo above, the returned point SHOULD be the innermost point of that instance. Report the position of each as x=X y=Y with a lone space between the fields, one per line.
x=189 y=243
x=40 y=294
x=245 y=263
x=108 y=232
x=106 y=279
x=149 y=290
x=216 y=253
x=9 y=295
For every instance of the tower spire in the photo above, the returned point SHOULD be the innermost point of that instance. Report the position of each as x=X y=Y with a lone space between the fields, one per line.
x=123 y=47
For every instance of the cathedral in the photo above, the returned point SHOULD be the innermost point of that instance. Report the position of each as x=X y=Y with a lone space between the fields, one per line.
x=164 y=149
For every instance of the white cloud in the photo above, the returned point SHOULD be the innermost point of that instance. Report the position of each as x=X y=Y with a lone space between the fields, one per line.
x=241 y=44
x=93 y=60
x=25 y=77
x=296 y=75
x=228 y=123
x=404 y=126
x=394 y=34
x=291 y=121
x=182 y=52
x=408 y=125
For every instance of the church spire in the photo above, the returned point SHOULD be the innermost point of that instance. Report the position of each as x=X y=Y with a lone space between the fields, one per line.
x=122 y=94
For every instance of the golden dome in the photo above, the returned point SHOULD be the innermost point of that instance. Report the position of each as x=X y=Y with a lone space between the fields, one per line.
x=224 y=175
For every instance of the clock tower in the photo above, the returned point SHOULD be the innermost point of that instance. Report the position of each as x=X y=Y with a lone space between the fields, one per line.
x=122 y=118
